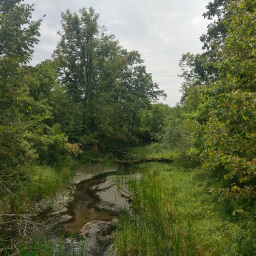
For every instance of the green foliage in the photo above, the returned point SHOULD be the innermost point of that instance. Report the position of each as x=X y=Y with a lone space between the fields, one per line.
x=18 y=111
x=26 y=132
x=153 y=122
x=229 y=143
x=219 y=93
x=34 y=182
x=153 y=150
x=18 y=32
x=218 y=12
x=229 y=151
x=177 y=133
x=89 y=96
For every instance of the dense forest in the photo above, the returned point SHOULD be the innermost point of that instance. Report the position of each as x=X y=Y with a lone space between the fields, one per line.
x=94 y=97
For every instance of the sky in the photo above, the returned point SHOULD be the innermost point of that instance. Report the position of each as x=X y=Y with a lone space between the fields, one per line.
x=161 y=30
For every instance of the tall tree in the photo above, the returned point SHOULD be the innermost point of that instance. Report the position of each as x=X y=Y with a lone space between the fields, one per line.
x=201 y=69
x=224 y=114
x=218 y=12
x=25 y=131
x=18 y=34
x=102 y=78
x=229 y=133
x=77 y=51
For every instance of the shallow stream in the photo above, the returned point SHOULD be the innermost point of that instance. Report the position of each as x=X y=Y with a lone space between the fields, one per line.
x=88 y=211
x=84 y=207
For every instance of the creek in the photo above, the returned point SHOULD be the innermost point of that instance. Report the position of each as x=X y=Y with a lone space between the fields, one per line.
x=87 y=212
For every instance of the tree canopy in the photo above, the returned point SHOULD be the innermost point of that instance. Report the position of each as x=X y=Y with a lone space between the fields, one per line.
x=102 y=79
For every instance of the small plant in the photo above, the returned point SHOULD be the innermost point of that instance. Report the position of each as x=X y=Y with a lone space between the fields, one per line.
x=73 y=149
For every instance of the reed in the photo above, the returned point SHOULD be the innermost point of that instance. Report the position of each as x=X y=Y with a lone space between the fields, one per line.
x=38 y=247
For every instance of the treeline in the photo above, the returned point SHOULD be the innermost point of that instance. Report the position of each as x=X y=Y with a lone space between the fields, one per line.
x=215 y=123
x=93 y=93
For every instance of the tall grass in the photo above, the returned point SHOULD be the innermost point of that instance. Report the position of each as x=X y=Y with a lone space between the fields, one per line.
x=45 y=246
x=151 y=228
x=174 y=213
x=36 y=183
x=154 y=150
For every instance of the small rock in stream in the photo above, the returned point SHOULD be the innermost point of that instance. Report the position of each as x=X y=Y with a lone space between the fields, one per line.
x=98 y=236
x=113 y=197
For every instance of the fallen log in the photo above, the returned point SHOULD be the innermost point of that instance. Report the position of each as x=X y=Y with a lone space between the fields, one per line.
x=144 y=160
x=134 y=161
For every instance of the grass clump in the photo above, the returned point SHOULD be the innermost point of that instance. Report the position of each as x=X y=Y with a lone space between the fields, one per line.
x=150 y=229
x=155 y=150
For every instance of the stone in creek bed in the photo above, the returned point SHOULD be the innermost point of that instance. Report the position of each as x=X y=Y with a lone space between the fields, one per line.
x=113 y=194
x=65 y=218
x=56 y=205
x=98 y=235
x=113 y=199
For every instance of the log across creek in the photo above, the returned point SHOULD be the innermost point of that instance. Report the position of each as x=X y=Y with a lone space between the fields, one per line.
x=137 y=161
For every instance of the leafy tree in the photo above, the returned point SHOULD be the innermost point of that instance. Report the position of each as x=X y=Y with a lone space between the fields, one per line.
x=153 y=122
x=217 y=30
x=25 y=131
x=107 y=83
x=230 y=132
x=18 y=34
x=76 y=53
x=219 y=93
x=201 y=69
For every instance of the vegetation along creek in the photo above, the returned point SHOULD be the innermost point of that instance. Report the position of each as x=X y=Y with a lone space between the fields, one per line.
x=92 y=162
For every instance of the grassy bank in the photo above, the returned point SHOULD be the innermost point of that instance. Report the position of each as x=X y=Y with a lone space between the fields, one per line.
x=175 y=213
x=19 y=234
x=34 y=183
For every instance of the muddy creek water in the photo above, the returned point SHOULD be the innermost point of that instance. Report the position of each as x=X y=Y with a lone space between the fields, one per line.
x=83 y=209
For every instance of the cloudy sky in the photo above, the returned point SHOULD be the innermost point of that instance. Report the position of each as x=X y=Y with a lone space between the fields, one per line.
x=161 y=30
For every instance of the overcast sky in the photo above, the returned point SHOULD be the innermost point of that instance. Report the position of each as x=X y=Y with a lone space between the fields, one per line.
x=161 y=30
